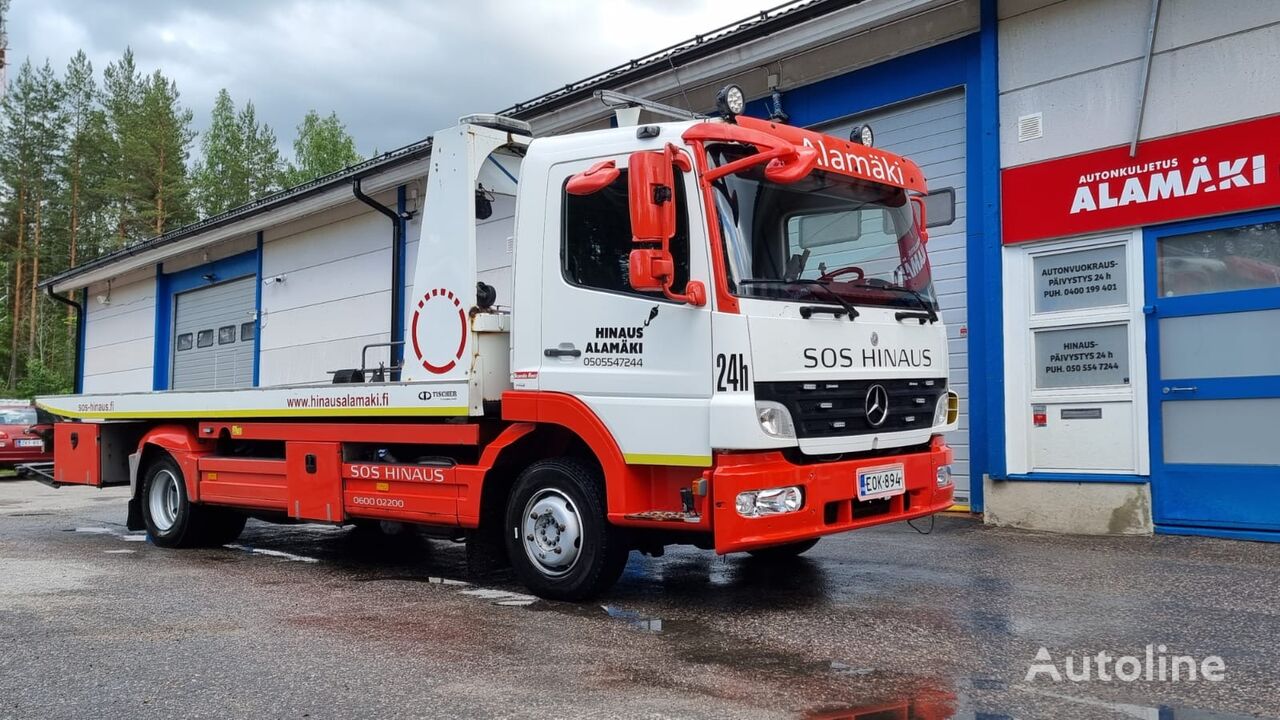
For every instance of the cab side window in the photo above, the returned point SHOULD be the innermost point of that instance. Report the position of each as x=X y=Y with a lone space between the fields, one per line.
x=596 y=242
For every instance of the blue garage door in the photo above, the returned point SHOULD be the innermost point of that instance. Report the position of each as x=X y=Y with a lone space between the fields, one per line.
x=1213 y=304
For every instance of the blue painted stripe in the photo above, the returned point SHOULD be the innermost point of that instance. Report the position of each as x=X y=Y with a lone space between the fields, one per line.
x=169 y=285
x=257 y=317
x=984 y=260
x=82 y=334
x=1077 y=478
x=1225 y=533
x=398 y=292
x=162 y=332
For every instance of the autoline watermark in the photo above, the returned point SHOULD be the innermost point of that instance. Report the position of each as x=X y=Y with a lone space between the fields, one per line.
x=1154 y=665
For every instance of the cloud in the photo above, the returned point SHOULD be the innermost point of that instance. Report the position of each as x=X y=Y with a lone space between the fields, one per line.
x=393 y=70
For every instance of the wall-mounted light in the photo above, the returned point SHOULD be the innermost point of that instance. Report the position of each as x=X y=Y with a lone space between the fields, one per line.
x=274 y=279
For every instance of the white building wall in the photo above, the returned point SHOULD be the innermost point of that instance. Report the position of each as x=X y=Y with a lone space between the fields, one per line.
x=334 y=296
x=1079 y=63
x=119 y=330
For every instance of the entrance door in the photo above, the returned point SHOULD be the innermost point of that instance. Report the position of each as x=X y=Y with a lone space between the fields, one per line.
x=1213 y=303
x=642 y=363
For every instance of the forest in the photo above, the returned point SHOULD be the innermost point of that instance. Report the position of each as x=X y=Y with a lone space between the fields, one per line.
x=90 y=162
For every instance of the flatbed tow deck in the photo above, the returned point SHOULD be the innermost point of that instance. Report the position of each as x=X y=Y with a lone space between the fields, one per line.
x=722 y=408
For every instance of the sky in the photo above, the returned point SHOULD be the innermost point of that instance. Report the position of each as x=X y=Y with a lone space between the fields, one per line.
x=394 y=70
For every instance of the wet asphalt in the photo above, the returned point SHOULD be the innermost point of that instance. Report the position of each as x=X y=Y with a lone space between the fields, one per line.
x=319 y=622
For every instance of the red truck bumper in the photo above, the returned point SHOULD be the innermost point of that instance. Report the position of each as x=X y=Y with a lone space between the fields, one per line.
x=831 y=502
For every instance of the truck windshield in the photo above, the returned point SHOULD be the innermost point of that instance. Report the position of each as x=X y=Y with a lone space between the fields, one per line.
x=857 y=239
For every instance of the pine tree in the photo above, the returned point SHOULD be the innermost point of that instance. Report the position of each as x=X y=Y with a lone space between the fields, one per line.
x=158 y=148
x=323 y=146
x=84 y=169
x=31 y=145
x=221 y=178
x=122 y=102
x=262 y=156
x=241 y=161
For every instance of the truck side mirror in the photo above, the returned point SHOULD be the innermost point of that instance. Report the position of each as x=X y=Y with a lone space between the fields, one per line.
x=921 y=218
x=651 y=196
x=593 y=179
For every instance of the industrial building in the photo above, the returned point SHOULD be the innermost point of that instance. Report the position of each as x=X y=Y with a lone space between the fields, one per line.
x=1105 y=244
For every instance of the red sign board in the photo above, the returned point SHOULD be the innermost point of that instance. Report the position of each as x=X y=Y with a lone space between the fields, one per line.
x=1206 y=172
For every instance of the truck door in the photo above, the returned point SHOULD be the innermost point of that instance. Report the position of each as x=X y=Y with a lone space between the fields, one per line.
x=641 y=362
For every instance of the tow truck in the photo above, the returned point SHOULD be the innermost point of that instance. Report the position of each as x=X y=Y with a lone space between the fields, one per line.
x=722 y=332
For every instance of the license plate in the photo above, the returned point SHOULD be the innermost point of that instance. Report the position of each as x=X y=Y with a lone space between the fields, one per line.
x=881 y=482
x=30 y=443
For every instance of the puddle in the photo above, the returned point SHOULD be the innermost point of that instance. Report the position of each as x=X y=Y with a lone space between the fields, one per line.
x=634 y=619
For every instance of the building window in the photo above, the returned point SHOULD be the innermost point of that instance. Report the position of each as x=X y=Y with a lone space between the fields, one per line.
x=204 y=339
x=247 y=331
x=226 y=334
x=1238 y=258
x=596 y=246
x=184 y=341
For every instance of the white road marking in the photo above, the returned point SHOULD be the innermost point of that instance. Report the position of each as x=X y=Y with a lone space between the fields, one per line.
x=272 y=553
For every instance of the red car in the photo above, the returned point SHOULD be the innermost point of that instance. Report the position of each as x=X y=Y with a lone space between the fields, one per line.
x=20 y=442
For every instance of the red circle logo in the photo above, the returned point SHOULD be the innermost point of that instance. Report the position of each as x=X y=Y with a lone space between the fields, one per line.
x=434 y=315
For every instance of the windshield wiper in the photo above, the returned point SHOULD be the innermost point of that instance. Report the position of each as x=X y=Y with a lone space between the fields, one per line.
x=853 y=313
x=930 y=314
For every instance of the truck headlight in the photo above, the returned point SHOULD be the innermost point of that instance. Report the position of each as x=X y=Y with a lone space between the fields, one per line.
x=944 y=475
x=948 y=409
x=940 y=411
x=775 y=419
x=774 y=501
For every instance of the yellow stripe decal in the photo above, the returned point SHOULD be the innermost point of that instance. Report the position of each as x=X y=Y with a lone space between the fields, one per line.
x=657 y=459
x=257 y=413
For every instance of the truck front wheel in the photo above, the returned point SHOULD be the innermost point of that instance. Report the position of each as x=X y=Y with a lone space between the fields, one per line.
x=559 y=540
x=172 y=520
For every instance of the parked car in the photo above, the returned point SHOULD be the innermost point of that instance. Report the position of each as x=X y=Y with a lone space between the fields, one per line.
x=21 y=438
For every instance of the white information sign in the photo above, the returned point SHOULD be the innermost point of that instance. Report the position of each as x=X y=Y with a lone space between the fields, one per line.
x=1089 y=278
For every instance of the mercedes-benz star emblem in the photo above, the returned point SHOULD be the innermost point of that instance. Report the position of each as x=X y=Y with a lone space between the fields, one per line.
x=876 y=405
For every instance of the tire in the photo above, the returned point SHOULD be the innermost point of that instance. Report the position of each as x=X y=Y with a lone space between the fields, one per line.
x=172 y=520
x=166 y=510
x=784 y=552
x=559 y=540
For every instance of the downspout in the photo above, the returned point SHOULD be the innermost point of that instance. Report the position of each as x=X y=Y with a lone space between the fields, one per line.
x=78 y=380
x=1146 y=77
x=397 y=290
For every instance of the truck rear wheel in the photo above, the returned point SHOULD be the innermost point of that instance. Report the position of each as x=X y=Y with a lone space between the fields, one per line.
x=559 y=540
x=172 y=520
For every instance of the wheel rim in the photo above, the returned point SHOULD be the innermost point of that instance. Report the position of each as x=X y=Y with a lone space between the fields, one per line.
x=552 y=532
x=164 y=500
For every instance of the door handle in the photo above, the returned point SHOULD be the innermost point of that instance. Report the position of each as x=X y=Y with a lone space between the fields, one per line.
x=569 y=351
x=1177 y=389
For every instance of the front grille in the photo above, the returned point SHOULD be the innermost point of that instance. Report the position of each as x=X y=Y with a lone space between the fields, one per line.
x=831 y=408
